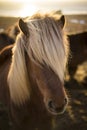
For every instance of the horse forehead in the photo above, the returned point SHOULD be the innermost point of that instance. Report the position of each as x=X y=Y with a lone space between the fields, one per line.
x=48 y=73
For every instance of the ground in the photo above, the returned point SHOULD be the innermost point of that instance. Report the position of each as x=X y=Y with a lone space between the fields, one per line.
x=75 y=118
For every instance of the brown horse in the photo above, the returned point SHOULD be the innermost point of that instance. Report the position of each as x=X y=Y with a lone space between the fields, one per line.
x=5 y=40
x=13 y=31
x=78 y=47
x=32 y=75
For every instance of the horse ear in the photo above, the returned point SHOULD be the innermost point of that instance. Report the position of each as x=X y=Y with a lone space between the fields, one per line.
x=62 y=21
x=24 y=28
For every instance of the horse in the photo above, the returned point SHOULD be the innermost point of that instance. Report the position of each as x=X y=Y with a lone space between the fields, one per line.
x=5 y=40
x=78 y=47
x=32 y=73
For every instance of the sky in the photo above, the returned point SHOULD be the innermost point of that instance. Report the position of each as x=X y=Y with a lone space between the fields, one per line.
x=29 y=7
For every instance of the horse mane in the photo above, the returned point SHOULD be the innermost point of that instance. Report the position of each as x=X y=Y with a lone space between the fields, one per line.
x=17 y=77
x=47 y=44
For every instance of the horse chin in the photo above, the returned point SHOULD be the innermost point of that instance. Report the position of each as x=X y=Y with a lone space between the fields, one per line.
x=56 y=113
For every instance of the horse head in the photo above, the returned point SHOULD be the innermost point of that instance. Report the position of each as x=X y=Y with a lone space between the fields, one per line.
x=46 y=46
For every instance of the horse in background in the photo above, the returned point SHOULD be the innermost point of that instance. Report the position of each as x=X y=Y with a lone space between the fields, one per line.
x=8 y=36
x=5 y=40
x=32 y=74
x=13 y=31
x=78 y=47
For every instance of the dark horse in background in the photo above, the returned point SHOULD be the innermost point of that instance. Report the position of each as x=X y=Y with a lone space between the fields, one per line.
x=78 y=47
x=5 y=40
x=8 y=36
x=32 y=73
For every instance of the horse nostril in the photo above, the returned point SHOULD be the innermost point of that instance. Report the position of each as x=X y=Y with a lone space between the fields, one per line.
x=57 y=108
x=65 y=101
x=51 y=104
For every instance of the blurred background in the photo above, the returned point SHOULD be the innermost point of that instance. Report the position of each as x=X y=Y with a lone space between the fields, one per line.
x=75 y=12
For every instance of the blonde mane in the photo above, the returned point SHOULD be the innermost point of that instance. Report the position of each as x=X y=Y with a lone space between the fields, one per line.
x=47 y=44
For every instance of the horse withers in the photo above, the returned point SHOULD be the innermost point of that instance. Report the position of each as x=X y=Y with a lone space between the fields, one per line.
x=32 y=77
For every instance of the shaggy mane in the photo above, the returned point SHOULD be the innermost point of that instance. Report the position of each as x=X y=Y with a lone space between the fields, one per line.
x=47 y=44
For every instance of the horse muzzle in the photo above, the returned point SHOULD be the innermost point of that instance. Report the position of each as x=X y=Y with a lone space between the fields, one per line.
x=56 y=109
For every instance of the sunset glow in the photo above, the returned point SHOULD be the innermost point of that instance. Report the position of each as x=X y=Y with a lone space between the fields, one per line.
x=27 y=10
